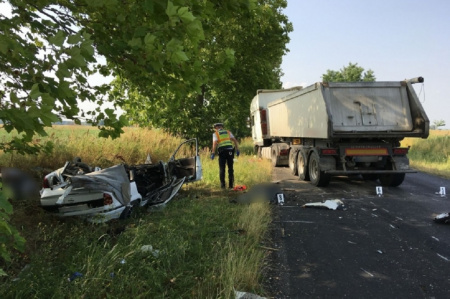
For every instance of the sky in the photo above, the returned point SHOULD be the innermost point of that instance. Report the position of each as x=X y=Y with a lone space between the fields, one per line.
x=397 y=39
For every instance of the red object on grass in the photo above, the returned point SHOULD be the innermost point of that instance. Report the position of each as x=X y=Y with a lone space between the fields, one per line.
x=240 y=188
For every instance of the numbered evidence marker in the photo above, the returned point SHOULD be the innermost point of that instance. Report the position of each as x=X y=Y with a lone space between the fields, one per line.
x=379 y=190
x=280 y=198
x=442 y=191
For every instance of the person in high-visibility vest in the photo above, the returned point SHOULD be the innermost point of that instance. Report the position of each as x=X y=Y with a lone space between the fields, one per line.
x=223 y=140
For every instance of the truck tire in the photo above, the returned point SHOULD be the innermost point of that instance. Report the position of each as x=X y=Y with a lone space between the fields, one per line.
x=302 y=167
x=274 y=158
x=257 y=151
x=391 y=179
x=318 y=178
x=293 y=162
x=369 y=176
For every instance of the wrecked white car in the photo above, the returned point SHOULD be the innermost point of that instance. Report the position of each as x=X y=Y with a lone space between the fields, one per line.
x=100 y=195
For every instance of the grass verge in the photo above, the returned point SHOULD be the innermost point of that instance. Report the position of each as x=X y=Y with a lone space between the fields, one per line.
x=199 y=246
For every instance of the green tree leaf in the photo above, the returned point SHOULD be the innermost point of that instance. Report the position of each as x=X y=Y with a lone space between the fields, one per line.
x=185 y=15
x=135 y=42
x=7 y=231
x=5 y=205
x=57 y=39
x=74 y=39
x=179 y=56
x=195 y=30
x=171 y=10
x=63 y=71
x=87 y=48
x=35 y=92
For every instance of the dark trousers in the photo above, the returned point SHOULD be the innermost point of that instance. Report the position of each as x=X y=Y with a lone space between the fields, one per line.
x=226 y=157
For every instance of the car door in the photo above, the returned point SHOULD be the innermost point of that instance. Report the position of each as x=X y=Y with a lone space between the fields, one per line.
x=189 y=167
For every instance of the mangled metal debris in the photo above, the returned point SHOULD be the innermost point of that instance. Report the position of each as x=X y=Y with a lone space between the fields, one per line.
x=103 y=194
x=150 y=249
x=331 y=204
x=443 y=218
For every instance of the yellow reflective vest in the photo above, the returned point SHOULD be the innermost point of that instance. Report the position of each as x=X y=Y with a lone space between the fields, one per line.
x=223 y=138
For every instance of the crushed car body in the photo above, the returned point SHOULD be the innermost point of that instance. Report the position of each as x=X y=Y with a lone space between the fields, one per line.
x=100 y=195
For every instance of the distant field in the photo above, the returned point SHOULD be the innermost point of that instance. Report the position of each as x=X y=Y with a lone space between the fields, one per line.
x=431 y=154
x=83 y=141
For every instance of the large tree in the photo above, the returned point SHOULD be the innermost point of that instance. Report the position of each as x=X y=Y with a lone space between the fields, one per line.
x=240 y=53
x=170 y=57
x=350 y=73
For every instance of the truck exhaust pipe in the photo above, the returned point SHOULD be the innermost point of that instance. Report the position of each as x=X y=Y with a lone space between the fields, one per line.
x=416 y=80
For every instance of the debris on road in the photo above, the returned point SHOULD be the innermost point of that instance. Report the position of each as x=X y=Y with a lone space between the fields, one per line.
x=331 y=204
x=443 y=218
x=367 y=272
x=443 y=257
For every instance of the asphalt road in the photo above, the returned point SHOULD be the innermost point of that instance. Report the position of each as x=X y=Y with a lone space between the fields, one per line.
x=377 y=247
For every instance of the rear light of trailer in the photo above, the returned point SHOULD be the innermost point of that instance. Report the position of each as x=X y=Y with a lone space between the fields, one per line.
x=264 y=129
x=329 y=151
x=400 y=151
x=263 y=117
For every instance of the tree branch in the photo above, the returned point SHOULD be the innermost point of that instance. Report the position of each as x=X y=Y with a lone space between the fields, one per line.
x=62 y=25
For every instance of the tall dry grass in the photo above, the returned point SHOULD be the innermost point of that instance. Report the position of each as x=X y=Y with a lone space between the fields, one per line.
x=432 y=154
x=83 y=141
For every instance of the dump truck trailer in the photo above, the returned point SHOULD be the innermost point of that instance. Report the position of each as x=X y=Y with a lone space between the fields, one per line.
x=339 y=128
